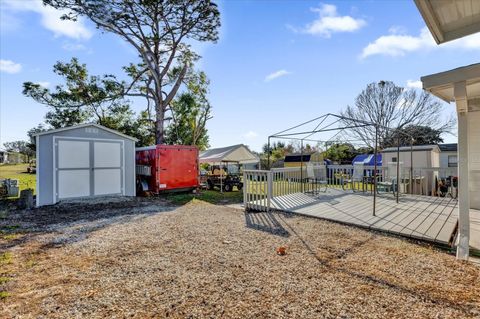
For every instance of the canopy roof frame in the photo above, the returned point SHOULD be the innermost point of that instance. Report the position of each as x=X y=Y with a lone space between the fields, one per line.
x=221 y=155
x=284 y=135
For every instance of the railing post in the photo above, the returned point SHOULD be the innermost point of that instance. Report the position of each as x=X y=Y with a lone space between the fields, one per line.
x=245 y=185
x=269 y=189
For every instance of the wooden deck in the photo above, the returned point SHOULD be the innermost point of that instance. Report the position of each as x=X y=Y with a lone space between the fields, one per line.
x=432 y=219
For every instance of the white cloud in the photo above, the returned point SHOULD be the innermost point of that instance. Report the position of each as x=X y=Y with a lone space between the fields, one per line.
x=9 y=66
x=250 y=135
x=73 y=46
x=50 y=19
x=414 y=84
x=400 y=44
x=397 y=29
x=330 y=22
x=44 y=84
x=276 y=75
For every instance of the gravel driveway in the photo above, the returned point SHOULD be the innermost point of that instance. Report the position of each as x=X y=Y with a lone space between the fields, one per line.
x=149 y=259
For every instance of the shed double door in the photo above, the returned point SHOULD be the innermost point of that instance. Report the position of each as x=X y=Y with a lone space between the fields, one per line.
x=88 y=168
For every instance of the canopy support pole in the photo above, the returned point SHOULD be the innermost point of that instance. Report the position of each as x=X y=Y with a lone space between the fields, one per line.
x=268 y=153
x=398 y=167
x=375 y=171
x=411 y=166
x=301 y=164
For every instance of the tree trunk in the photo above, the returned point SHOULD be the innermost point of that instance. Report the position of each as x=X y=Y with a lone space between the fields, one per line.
x=159 y=132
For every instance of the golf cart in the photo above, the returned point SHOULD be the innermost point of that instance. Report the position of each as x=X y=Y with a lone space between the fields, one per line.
x=219 y=177
x=222 y=167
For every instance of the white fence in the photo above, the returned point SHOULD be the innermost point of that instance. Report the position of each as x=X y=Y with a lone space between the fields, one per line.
x=260 y=186
x=256 y=190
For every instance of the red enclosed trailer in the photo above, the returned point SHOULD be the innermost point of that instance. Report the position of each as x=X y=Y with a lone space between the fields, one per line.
x=167 y=167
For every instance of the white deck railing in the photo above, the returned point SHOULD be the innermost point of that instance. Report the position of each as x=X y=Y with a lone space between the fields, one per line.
x=261 y=185
x=256 y=187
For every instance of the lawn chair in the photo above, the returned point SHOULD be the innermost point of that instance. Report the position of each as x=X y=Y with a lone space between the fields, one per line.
x=387 y=186
x=388 y=183
x=357 y=177
x=317 y=178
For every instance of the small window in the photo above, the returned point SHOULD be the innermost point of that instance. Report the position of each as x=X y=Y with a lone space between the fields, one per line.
x=452 y=161
x=394 y=159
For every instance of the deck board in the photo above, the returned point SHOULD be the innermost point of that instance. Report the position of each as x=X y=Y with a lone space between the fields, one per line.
x=427 y=218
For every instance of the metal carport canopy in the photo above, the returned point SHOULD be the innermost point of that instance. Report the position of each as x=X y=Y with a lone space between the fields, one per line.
x=235 y=153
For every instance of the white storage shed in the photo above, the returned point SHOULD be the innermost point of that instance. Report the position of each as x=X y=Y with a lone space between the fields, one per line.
x=84 y=161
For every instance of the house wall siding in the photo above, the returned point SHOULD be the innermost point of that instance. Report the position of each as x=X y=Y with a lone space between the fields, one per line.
x=444 y=158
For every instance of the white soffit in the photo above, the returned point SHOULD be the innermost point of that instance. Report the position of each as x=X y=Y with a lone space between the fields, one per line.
x=448 y=20
x=441 y=84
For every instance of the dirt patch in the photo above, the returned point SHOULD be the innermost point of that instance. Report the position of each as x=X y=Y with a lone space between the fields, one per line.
x=202 y=260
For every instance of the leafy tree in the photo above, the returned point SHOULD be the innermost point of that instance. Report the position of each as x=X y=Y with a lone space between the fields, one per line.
x=340 y=153
x=365 y=150
x=275 y=145
x=278 y=150
x=161 y=33
x=413 y=135
x=190 y=112
x=393 y=107
x=39 y=128
x=81 y=98
x=21 y=147
x=85 y=98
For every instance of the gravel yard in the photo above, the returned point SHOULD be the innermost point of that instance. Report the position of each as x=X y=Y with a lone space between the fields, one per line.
x=146 y=258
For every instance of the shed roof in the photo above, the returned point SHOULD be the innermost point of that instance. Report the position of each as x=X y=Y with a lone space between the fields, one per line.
x=234 y=153
x=294 y=158
x=414 y=148
x=450 y=147
x=304 y=153
x=451 y=19
x=86 y=125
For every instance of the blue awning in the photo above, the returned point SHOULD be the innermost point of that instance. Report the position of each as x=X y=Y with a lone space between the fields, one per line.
x=368 y=159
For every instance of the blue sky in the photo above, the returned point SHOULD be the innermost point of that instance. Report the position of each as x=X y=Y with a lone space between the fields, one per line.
x=277 y=63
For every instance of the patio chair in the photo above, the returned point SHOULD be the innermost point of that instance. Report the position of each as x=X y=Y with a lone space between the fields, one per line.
x=386 y=186
x=317 y=176
x=357 y=177
x=389 y=183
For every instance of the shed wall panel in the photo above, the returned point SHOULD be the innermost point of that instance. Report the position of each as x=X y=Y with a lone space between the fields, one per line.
x=45 y=160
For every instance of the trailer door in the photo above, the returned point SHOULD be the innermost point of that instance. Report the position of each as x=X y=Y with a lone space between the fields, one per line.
x=178 y=168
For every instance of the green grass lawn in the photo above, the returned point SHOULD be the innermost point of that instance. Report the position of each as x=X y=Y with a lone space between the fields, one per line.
x=286 y=187
x=18 y=171
x=213 y=197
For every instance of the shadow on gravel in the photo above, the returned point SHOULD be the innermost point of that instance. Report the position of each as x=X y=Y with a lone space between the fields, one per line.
x=73 y=221
x=365 y=276
x=266 y=222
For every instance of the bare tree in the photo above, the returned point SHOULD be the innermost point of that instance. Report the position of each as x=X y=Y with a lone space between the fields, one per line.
x=392 y=108
x=161 y=32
